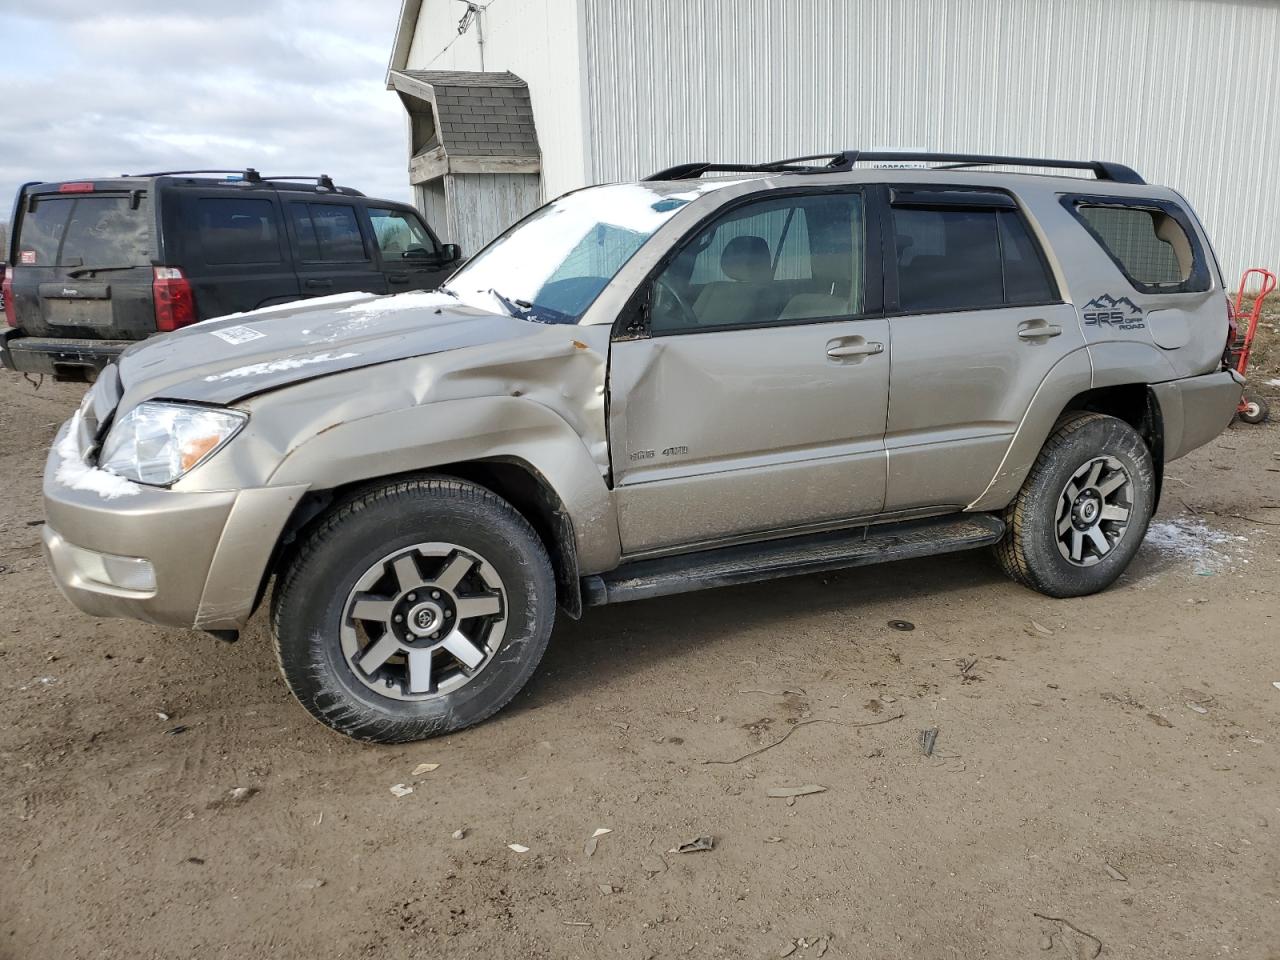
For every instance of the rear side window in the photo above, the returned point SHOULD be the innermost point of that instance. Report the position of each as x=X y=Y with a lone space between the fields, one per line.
x=86 y=231
x=957 y=259
x=1147 y=243
x=327 y=231
x=238 y=230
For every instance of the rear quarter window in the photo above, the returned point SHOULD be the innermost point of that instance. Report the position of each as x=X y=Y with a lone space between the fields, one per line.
x=1150 y=241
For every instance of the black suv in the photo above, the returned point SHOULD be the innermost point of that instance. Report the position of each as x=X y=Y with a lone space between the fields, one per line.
x=95 y=265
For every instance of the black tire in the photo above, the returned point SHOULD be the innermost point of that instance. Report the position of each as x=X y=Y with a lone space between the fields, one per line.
x=1029 y=552
x=1256 y=410
x=310 y=605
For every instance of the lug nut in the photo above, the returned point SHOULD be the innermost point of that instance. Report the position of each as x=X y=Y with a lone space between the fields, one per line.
x=411 y=597
x=435 y=595
x=448 y=614
x=399 y=619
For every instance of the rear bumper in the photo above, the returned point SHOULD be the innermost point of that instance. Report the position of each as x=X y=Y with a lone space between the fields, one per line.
x=57 y=356
x=206 y=552
x=1196 y=409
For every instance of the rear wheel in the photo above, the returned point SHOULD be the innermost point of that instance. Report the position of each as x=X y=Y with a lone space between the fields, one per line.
x=414 y=610
x=1083 y=510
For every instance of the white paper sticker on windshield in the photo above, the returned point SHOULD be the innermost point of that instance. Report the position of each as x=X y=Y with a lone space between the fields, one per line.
x=237 y=335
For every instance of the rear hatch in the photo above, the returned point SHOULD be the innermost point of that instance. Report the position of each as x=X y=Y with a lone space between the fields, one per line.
x=82 y=257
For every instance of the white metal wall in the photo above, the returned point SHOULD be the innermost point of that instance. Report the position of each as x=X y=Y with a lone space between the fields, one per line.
x=537 y=40
x=1174 y=88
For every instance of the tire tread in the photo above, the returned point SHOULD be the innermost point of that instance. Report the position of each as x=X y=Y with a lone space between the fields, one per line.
x=347 y=718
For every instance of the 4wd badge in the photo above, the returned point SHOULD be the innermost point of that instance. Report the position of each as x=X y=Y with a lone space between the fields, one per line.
x=1119 y=314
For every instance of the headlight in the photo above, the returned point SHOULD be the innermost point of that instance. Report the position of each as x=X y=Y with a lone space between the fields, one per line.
x=158 y=442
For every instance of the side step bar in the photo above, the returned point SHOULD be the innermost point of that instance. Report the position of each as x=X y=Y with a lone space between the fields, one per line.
x=767 y=560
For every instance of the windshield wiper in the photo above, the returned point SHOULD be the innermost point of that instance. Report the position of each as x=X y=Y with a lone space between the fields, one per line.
x=514 y=307
x=79 y=272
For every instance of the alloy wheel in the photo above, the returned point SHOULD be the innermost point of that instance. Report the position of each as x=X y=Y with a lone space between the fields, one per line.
x=423 y=621
x=1093 y=511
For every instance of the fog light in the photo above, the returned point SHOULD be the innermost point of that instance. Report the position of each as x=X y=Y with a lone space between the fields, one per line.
x=123 y=573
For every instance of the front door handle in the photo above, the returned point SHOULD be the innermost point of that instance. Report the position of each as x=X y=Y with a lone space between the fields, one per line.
x=317 y=284
x=397 y=278
x=852 y=348
x=1038 y=330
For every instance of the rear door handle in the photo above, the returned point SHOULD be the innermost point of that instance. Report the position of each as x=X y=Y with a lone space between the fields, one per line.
x=397 y=278
x=857 y=347
x=314 y=284
x=1038 y=330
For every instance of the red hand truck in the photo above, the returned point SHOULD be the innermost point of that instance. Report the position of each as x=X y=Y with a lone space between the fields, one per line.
x=1244 y=327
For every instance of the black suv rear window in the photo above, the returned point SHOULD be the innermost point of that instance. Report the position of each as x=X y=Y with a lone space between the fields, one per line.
x=956 y=259
x=238 y=230
x=99 y=230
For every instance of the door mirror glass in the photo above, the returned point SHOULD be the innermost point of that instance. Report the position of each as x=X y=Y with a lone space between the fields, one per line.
x=450 y=253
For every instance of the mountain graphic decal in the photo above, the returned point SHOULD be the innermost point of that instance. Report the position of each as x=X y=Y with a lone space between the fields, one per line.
x=1107 y=302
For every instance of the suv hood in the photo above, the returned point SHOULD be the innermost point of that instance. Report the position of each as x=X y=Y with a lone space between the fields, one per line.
x=233 y=357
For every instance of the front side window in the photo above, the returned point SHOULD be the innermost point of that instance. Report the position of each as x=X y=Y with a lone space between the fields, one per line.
x=327 y=231
x=1149 y=245
x=238 y=230
x=551 y=266
x=86 y=231
x=966 y=259
x=787 y=259
x=400 y=235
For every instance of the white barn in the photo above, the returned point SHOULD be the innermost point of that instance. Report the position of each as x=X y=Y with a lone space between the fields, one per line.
x=587 y=91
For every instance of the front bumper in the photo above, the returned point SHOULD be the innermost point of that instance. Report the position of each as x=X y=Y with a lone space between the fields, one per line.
x=208 y=550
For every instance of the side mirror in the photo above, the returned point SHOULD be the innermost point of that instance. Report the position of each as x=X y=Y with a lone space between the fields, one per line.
x=450 y=253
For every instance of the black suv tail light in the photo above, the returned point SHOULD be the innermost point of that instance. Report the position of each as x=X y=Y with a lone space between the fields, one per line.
x=175 y=304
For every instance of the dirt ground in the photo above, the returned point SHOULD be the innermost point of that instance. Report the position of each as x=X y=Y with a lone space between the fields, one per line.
x=1111 y=761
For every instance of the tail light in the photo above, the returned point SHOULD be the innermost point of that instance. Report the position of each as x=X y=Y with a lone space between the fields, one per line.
x=10 y=308
x=175 y=304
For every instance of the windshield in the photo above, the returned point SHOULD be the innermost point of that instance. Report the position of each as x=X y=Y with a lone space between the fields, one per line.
x=85 y=231
x=550 y=267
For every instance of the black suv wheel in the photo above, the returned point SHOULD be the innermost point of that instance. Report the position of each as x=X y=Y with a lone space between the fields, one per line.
x=414 y=609
x=1083 y=510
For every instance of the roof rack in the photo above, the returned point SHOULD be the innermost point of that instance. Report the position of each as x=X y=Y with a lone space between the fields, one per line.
x=843 y=161
x=250 y=175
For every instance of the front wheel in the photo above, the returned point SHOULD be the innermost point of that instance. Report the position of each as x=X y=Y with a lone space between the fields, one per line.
x=1083 y=510
x=413 y=610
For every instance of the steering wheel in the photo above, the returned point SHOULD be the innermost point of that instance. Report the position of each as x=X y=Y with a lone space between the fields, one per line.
x=685 y=316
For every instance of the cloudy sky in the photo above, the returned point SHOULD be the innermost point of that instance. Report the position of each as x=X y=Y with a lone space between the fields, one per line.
x=135 y=85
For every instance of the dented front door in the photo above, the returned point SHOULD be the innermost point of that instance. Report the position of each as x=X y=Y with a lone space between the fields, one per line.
x=727 y=432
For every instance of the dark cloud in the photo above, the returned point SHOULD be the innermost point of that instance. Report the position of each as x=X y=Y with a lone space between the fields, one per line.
x=281 y=85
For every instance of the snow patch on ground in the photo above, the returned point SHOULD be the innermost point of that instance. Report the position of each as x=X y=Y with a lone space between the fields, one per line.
x=1274 y=383
x=277 y=366
x=1195 y=540
x=75 y=474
